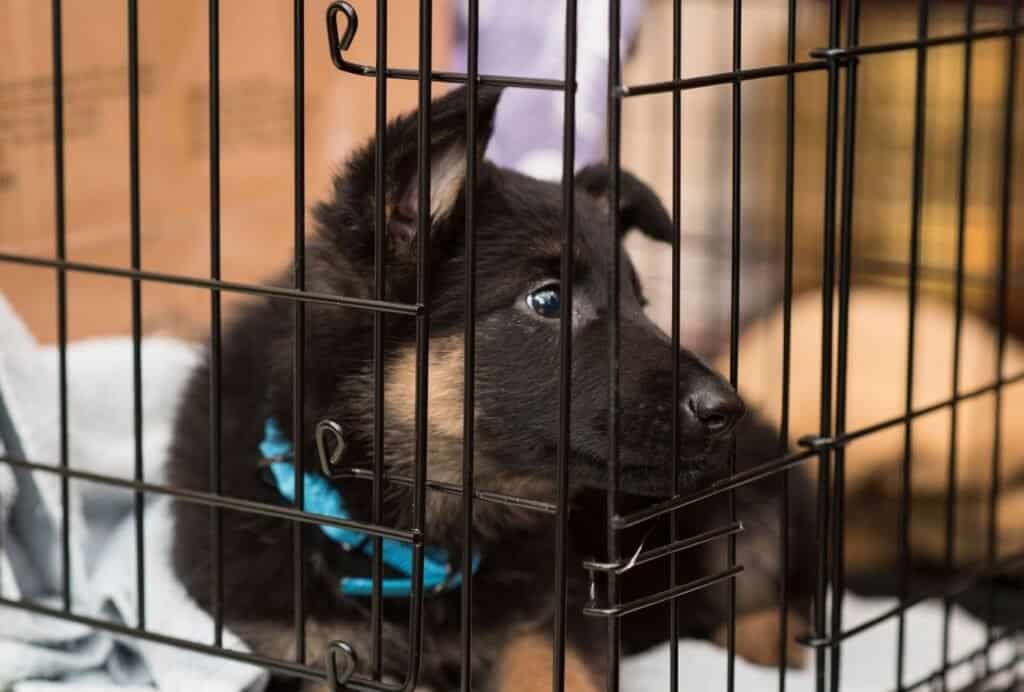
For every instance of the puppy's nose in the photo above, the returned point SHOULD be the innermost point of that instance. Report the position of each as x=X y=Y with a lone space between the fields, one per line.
x=714 y=409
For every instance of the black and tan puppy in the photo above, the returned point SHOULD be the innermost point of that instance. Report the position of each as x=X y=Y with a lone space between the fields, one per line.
x=517 y=357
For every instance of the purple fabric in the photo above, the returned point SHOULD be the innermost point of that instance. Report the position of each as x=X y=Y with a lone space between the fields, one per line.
x=527 y=39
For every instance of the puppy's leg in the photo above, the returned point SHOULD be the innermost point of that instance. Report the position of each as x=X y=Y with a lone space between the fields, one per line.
x=526 y=665
x=757 y=637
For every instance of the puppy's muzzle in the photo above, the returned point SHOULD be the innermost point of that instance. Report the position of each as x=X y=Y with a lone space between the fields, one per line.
x=711 y=410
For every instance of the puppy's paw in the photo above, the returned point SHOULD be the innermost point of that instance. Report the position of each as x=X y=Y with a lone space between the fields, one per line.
x=758 y=637
x=526 y=665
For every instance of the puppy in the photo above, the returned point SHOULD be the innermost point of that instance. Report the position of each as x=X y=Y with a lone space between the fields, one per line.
x=516 y=423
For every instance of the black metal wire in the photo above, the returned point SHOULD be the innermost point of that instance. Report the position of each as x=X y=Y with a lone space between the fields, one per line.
x=734 y=317
x=787 y=338
x=422 y=335
x=674 y=520
x=669 y=549
x=825 y=412
x=216 y=449
x=565 y=352
x=616 y=611
x=917 y=183
x=1009 y=114
x=136 y=263
x=299 y=330
x=957 y=586
x=838 y=584
x=60 y=244
x=958 y=307
x=469 y=377
x=614 y=128
x=833 y=59
x=229 y=286
x=412 y=536
x=380 y=220
x=271 y=664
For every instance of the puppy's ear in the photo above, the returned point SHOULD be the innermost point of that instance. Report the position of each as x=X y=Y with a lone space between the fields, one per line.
x=639 y=206
x=350 y=215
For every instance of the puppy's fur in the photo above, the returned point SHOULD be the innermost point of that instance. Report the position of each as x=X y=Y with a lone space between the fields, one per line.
x=518 y=226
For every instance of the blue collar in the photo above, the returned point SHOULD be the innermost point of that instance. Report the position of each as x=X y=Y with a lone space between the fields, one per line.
x=322 y=497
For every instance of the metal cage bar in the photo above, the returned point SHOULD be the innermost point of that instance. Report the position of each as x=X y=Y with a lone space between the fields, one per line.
x=734 y=313
x=60 y=247
x=958 y=308
x=565 y=350
x=614 y=127
x=846 y=227
x=136 y=285
x=469 y=338
x=379 y=288
x=216 y=448
x=826 y=448
x=1010 y=106
x=677 y=231
x=787 y=334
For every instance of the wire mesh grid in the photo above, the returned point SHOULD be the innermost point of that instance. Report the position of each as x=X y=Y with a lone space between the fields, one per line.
x=838 y=60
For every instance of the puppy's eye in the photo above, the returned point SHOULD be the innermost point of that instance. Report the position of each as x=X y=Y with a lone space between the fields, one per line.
x=546 y=301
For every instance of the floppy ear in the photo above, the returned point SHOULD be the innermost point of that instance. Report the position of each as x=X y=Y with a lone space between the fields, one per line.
x=639 y=206
x=350 y=214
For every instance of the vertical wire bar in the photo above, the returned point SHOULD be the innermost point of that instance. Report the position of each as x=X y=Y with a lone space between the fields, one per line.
x=614 y=342
x=920 y=89
x=423 y=155
x=469 y=378
x=677 y=116
x=565 y=351
x=787 y=321
x=216 y=517
x=62 y=294
x=845 y=258
x=734 y=314
x=1006 y=212
x=299 y=331
x=958 y=302
x=827 y=290
x=133 y=129
x=379 y=289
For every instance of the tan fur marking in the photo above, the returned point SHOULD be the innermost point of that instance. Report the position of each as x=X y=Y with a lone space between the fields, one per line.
x=446 y=177
x=444 y=387
x=444 y=442
x=757 y=637
x=526 y=665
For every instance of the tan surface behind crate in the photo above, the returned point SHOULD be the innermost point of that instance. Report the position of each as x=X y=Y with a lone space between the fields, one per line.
x=257 y=194
x=883 y=165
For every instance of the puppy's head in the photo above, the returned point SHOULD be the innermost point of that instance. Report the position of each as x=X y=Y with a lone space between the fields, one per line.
x=518 y=224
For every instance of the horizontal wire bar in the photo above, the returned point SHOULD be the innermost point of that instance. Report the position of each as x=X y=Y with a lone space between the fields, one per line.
x=970 y=656
x=662 y=596
x=911 y=44
x=455 y=489
x=672 y=548
x=211 y=500
x=820 y=63
x=782 y=463
x=462 y=78
x=729 y=77
x=229 y=286
x=956 y=587
x=275 y=665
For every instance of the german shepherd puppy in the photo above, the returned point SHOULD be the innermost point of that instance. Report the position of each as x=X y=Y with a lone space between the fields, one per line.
x=516 y=418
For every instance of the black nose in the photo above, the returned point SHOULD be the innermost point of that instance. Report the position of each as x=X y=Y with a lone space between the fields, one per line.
x=714 y=409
